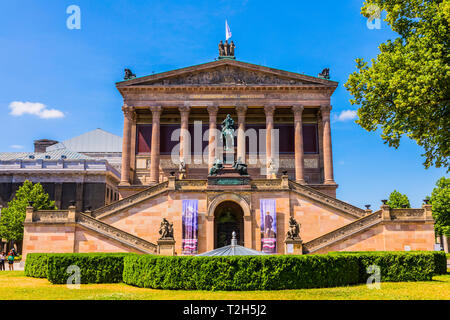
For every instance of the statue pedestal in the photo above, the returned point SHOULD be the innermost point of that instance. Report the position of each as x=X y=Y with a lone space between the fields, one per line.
x=166 y=247
x=228 y=156
x=293 y=246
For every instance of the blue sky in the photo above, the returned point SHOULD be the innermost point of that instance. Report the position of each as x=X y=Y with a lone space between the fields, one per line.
x=72 y=73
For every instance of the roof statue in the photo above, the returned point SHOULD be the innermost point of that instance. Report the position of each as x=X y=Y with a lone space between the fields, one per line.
x=129 y=75
x=226 y=50
x=325 y=74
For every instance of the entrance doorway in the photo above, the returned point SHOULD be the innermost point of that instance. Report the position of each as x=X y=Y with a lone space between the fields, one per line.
x=228 y=217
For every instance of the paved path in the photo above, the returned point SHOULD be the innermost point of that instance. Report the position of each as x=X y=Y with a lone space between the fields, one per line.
x=18 y=266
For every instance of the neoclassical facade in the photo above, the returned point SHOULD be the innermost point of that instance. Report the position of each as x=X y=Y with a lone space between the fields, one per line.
x=172 y=138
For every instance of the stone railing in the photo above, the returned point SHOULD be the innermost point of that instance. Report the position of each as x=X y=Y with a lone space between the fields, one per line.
x=50 y=216
x=117 y=234
x=131 y=200
x=327 y=200
x=343 y=232
x=407 y=214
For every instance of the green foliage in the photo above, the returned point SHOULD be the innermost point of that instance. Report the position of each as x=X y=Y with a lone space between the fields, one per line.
x=398 y=266
x=36 y=265
x=398 y=200
x=240 y=273
x=12 y=218
x=440 y=201
x=94 y=267
x=440 y=262
x=406 y=90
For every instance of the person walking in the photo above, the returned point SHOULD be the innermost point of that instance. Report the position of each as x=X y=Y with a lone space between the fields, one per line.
x=11 y=261
x=2 y=261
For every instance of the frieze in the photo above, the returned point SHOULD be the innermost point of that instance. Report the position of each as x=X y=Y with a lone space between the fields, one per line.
x=406 y=214
x=227 y=75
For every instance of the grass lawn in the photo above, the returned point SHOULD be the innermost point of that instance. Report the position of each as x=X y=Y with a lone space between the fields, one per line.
x=15 y=286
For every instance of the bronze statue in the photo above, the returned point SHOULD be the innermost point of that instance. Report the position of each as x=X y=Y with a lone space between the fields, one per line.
x=240 y=167
x=129 y=75
x=221 y=49
x=325 y=74
x=294 y=230
x=166 y=229
x=228 y=133
x=227 y=48
x=216 y=168
x=232 y=46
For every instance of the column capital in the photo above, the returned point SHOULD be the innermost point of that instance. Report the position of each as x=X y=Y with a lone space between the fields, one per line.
x=128 y=111
x=212 y=110
x=325 y=108
x=184 y=109
x=156 y=111
x=241 y=110
x=269 y=110
x=298 y=110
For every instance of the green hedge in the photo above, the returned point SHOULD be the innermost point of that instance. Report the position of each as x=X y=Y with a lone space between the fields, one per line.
x=398 y=266
x=94 y=267
x=240 y=273
x=36 y=265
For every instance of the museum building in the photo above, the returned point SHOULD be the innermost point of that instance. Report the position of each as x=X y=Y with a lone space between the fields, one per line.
x=222 y=147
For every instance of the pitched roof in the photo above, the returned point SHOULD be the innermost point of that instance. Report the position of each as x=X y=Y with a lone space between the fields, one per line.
x=59 y=154
x=97 y=140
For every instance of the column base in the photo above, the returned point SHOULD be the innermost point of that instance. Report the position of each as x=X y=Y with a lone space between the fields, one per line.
x=124 y=183
x=329 y=182
x=300 y=181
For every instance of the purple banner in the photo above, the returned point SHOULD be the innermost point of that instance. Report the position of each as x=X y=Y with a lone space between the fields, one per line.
x=268 y=226
x=189 y=244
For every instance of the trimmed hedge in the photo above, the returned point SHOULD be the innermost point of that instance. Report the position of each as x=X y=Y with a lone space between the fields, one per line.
x=94 y=267
x=240 y=272
x=398 y=266
x=36 y=265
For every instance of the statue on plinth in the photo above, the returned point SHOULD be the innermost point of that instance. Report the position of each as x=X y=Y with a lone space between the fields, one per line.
x=294 y=230
x=166 y=230
x=217 y=166
x=228 y=133
x=240 y=167
x=182 y=169
x=221 y=49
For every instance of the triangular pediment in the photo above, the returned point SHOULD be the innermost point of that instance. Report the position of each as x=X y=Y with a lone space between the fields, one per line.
x=227 y=73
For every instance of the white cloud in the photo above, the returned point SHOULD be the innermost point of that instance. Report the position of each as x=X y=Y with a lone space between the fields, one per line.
x=17 y=146
x=19 y=108
x=346 y=115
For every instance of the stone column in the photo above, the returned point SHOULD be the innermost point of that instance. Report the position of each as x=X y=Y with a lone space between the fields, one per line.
x=184 y=133
x=128 y=113
x=58 y=195
x=209 y=233
x=212 y=149
x=269 y=110
x=241 y=111
x=298 y=127
x=154 y=152
x=327 y=151
x=248 y=236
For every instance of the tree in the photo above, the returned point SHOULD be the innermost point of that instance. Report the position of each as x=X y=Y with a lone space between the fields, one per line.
x=406 y=90
x=440 y=201
x=398 y=200
x=12 y=218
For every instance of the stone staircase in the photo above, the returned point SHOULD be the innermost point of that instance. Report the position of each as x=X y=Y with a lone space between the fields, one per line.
x=111 y=232
x=131 y=200
x=327 y=200
x=343 y=232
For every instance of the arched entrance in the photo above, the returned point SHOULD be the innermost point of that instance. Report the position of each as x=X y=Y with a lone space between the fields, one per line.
x=228 y=217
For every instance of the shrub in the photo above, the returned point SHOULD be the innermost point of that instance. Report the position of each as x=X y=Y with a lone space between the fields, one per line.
x=94 y=267
x=398 y=266
x=440 y=262
x=240 y=272
x=36 y=265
